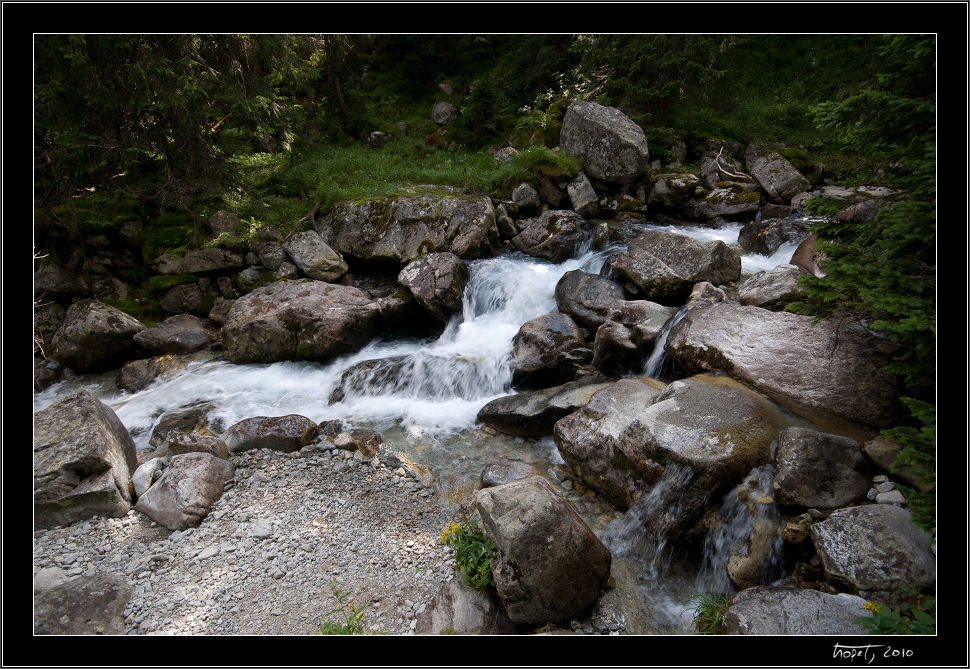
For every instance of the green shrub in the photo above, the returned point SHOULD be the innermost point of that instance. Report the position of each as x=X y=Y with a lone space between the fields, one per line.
x=473 y=552
x=886 y=620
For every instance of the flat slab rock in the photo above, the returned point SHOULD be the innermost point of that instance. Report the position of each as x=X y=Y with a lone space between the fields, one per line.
x=84 y=605
x=768 y=610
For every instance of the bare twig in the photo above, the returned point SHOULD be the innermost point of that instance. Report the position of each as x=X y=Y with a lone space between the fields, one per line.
x=717 y=163
x=309 y=217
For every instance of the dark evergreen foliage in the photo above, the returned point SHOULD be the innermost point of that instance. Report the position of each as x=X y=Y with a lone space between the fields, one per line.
x=882 y=274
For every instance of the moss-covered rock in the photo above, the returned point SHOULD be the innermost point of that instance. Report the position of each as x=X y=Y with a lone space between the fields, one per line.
x=404 y=227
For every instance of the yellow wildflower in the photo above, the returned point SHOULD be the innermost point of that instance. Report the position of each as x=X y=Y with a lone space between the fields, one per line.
x=871 y=606
x=450 y=530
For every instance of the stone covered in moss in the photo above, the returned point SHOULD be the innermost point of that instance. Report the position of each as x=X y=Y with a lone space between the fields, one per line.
x=403 y=228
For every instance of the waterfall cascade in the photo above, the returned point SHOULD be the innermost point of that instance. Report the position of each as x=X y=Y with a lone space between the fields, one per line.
x=657 y=363
x=748 y=529
x=421 y=392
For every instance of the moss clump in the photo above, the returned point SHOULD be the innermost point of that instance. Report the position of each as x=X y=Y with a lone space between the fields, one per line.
x=166 y=281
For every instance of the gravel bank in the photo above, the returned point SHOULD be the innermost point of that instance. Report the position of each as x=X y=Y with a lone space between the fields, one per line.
x=262 y=561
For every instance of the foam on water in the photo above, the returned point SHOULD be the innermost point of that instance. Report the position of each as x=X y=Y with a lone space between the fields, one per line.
x=441 y=386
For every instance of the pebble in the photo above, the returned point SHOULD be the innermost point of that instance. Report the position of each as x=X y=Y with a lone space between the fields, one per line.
x=288 y=529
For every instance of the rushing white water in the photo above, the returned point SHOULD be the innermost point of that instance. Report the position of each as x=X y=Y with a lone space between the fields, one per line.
x=440 y=388
x=424 y=395
x=729 y=233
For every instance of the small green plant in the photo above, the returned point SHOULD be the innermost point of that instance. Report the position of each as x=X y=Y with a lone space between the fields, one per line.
x=350 y=619
x=709 y=612
x=473 y=550
x=886 y=620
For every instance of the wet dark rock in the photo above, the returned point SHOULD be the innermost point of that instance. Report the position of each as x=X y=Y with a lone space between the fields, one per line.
x=666 y=265
x=279 y=433
x=539 y=347
x=549 y=564
x=178 y=334
x=96 y=337
x=588 y=298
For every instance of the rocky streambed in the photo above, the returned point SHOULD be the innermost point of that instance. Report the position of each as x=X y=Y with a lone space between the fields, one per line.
x=553 y=334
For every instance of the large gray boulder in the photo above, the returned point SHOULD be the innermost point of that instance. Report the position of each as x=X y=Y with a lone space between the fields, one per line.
x=549 y=565
x=404 y=227
x=672 y=189
x=729 y=200
x=783 y=611
x=178 y=334
x=772 y=289
x=666 y=265
x=875 y=550
x=444 y=113
x=555 y=235
x=778 y=177
x=821 y=367
x=314 y=257
x=279 y=433
x=52 y=280
x=195 y=297
x=766 y=236
x=300 y=320
x=83 y=459
x=710 y=428
x=583 y=196
x=588 y=298
x=526 y=199
x=533 y=414
x=96 y=337
x=195 y=261
x=612 y=147
x=604 y=441
x=182 y=497
x=84 y=605
x=805 y=477
x=438 y=282
x=539 y=346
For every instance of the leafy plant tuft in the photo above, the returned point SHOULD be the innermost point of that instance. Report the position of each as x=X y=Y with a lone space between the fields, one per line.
x=473 y=551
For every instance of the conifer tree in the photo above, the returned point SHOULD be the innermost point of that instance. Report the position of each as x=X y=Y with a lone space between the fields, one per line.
x=882 y=273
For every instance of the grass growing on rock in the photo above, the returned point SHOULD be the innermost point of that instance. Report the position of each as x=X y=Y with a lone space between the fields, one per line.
x=274 y=191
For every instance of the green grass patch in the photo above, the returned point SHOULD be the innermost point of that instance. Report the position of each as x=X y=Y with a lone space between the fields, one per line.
x=273 y=192
x=709 y=612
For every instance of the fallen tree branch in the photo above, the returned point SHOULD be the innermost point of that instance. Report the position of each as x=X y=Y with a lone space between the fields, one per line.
x=311 y=216
x=717 y=163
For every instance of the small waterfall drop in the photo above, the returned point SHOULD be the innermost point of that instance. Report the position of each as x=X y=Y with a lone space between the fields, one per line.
x=746 y=545
x=639 y=542
x=655 y=365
